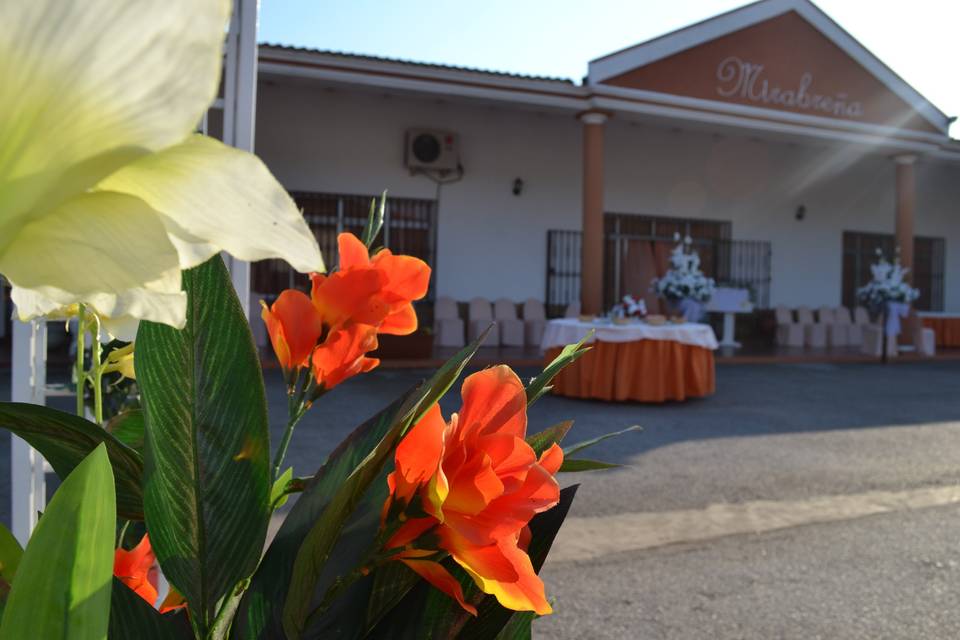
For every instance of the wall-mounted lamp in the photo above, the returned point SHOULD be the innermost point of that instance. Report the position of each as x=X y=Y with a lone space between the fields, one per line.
x=801 y=213
x=517 y=186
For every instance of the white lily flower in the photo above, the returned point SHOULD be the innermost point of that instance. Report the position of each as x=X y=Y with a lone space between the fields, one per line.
x=105 y=192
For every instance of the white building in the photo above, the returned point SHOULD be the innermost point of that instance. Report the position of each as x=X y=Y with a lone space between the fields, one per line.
x=769 y=123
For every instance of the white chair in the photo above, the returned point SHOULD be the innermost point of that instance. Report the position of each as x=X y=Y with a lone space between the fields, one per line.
x=861 y=319
x=854 y=331
x=534 y=321
x=572 y=310
x=480 y=315
x=789 y=333
x=837 y=333
x=447 y=323
x=814 y=334
x=511 y=327
x=924 y=338
x=873 y=342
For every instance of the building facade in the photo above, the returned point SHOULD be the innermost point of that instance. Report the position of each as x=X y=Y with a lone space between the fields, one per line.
x=782 y=146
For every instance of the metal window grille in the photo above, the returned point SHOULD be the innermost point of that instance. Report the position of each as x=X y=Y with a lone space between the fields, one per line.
x=735 y=263
x=409 y=228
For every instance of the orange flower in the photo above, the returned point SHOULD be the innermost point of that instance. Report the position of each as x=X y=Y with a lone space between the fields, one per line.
x=172 y=602
x=377 y=291
x=136 y=568
x=479 y=483
x=294 y=327
x=342 y=355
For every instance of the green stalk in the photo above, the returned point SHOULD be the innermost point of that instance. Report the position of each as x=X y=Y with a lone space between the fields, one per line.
x=97 y=370
x=79 y=371
x=296 y=408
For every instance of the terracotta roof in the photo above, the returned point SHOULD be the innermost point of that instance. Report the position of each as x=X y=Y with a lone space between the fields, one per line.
x=413 y=63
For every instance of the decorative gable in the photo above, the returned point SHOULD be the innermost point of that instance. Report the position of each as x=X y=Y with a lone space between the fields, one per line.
x=781 y=63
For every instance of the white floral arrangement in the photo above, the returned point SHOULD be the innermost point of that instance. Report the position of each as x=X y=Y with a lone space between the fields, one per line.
x=887 y=284
x=684 y=280
x=630 y=307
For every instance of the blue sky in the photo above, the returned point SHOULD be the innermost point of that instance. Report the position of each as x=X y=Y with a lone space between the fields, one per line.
x=917 y=39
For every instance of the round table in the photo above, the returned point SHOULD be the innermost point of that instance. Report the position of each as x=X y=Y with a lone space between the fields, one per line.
x=636 y=361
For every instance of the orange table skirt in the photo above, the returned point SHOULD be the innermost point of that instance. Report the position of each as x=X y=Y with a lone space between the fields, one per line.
x=947 y=330
x=642 y=371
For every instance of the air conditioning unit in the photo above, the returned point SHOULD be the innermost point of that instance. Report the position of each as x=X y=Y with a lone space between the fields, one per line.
x=431 y=149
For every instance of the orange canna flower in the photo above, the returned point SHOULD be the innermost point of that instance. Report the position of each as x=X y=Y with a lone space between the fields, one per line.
x=172 y=602
x=343 y=355
x=377 y=291
x=479 y=484
x=136 y=568
x=294 y=327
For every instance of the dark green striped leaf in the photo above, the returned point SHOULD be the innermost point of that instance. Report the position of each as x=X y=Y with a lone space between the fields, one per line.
x=128 y=427
x=207 y=483
x=62 y=587
x=260 y=612
x=64 y=440
x=131 y=617
x=311 y=573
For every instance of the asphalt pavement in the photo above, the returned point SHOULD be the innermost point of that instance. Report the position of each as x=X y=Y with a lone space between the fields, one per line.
x=776 y=436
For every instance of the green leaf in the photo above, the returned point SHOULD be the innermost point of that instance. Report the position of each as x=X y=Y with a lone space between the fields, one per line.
x=132 y=617
x=10 y=554
x=580 y=446
x=567 y=356
x=311 y=561
x=63 y=584
x=206 y=477
x=571 y=465
x=260 y=612
x=278 y=493
x=65 y=439
x=543 y=440
x=128 y=428
x=259 y=615
x=374 y=220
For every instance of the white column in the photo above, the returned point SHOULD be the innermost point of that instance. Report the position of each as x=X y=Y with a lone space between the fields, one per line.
x=28 y=493
x=240 y=108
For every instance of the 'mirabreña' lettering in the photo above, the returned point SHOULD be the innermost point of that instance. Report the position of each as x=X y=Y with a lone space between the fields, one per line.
x=742 y=79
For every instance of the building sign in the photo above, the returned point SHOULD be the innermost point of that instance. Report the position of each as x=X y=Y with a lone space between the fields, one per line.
x=737 y=78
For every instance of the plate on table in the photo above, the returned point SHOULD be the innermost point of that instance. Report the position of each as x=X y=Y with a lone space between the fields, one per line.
x=656 y=320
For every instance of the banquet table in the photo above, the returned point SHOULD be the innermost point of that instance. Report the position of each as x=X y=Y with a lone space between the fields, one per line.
x=634 y=362
x=946 y=326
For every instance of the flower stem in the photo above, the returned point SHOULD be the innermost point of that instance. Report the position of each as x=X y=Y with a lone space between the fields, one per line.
x=296 y=408
x=79 y=371
x=96 y=369
x=285 y=442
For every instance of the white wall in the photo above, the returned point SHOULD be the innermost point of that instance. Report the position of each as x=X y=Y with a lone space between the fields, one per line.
x=489 y=242
x=492 y=243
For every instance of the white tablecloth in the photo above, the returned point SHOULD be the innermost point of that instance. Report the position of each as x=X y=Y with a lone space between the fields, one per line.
x=564 y=331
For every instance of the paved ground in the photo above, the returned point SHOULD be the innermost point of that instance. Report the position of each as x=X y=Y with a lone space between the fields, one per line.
x=795 y=503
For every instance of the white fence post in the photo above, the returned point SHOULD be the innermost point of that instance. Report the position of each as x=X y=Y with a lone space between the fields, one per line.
x=28 y=493
x=240 y=108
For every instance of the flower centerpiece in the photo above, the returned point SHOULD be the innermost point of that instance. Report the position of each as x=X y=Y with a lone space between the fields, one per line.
x=684 y=284
x=629 y=307
x=887 y=295
x=887 y=285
